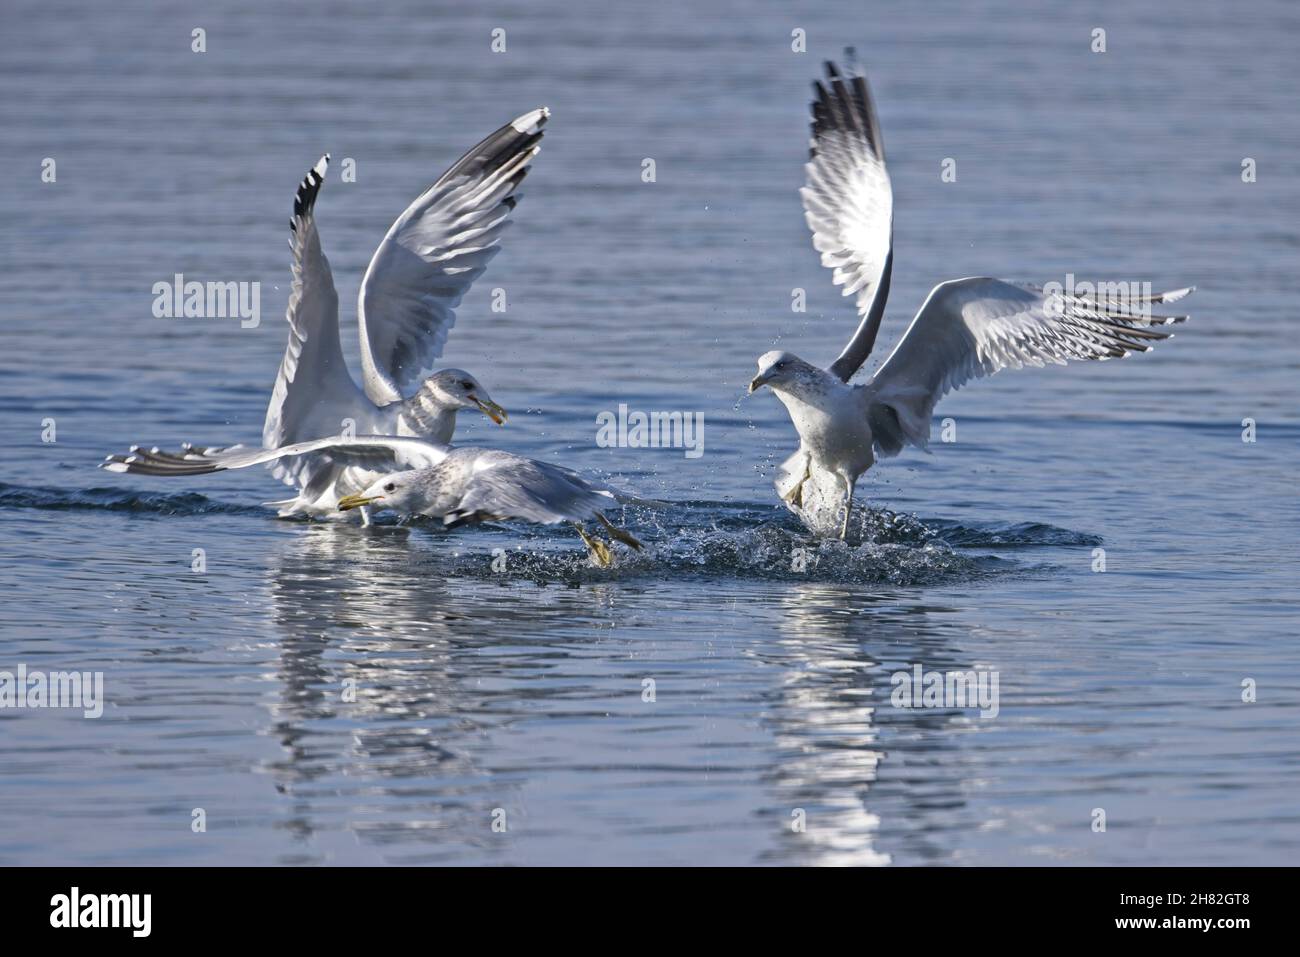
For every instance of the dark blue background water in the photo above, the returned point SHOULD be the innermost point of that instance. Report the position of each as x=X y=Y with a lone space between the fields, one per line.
x=523 y=690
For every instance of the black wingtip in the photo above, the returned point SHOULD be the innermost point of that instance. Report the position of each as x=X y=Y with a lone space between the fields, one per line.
x=842 y=101
x=514 y=141
x=304 y=200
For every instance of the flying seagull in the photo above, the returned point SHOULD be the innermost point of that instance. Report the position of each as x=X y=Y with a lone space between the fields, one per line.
x=416 y=279
x=966 y=328
x=412 y=476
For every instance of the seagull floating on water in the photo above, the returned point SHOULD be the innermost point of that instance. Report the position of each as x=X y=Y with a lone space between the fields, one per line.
x=410 y=476
x=966 y=328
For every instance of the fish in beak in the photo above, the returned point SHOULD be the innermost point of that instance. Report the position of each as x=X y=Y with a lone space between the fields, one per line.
x=348 y=502
x=490 y=409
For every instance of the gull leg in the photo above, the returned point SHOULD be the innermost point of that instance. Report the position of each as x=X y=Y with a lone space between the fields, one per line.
x=598 y=549
x=622 y=535
x=848 y=508
x=794 y=497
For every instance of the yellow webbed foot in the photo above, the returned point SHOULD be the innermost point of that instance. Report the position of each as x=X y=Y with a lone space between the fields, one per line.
x=622 y=535
x=599 y=551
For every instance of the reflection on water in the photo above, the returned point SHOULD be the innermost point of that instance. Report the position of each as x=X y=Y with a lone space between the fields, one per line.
x=426 y=759
x=823 y=731
x=838 y=647
x=400 y=689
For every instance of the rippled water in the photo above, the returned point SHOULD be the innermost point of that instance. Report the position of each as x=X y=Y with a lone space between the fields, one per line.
x=522 y=690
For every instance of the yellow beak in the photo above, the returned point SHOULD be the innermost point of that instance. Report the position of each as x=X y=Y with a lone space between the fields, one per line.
x=356 y=501
x=490 y=409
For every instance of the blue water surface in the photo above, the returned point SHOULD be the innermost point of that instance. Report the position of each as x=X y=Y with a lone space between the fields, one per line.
x=333 y=695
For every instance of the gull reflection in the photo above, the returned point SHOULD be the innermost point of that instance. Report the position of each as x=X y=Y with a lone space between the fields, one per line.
x=396 y=702
x=371 y=642
x=838 y=646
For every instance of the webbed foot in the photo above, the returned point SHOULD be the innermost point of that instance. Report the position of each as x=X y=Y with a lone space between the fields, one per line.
x=622 y=535
x=599 y=551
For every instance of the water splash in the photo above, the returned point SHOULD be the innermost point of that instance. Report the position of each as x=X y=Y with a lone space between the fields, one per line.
x=700 y=539
x=711 y=540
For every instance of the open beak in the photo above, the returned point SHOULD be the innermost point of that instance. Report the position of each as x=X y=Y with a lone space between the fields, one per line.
x=348 y=502
x=490 y=409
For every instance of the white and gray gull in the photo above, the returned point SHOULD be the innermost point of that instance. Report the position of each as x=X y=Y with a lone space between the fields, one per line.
x=417 y=277
x=966 y=328
x=415 y=477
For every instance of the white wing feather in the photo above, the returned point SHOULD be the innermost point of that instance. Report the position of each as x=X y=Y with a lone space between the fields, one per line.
x=313 y=391
x=849 y=203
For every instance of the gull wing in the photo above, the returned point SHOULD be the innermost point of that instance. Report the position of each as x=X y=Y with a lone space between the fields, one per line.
x=970 y=328
x=432 y=255
x=312 y=367
x=372 y=453
x=849 y=204
x=504 y=486
x=313 y=390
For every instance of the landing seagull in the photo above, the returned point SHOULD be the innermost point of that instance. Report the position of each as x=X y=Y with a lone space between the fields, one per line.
x=966 y=328
x=415 y=477
x=416 y=279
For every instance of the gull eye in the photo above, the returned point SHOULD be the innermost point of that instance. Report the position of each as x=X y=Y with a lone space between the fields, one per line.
x=467 y=385
x=390 y=486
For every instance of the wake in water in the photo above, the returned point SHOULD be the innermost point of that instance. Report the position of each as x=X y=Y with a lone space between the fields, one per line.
x=698 y=539
x=119 y=500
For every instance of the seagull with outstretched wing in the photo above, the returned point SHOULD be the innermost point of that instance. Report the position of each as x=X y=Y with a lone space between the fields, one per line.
x=410 y=476
x=416 y=279
x=966 y=329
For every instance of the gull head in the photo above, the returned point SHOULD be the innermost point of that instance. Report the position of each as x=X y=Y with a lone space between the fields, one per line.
x=403 y=492
x=781 y=371
x=457 y=389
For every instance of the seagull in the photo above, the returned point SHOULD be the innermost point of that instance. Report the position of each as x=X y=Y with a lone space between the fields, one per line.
x=966 y=328
x=416 y=279
x=410 y=476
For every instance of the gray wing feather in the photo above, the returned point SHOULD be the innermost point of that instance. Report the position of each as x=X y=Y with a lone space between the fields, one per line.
x=970 y=328
x=373 y=453
x=505 y=486
x=433 y=253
